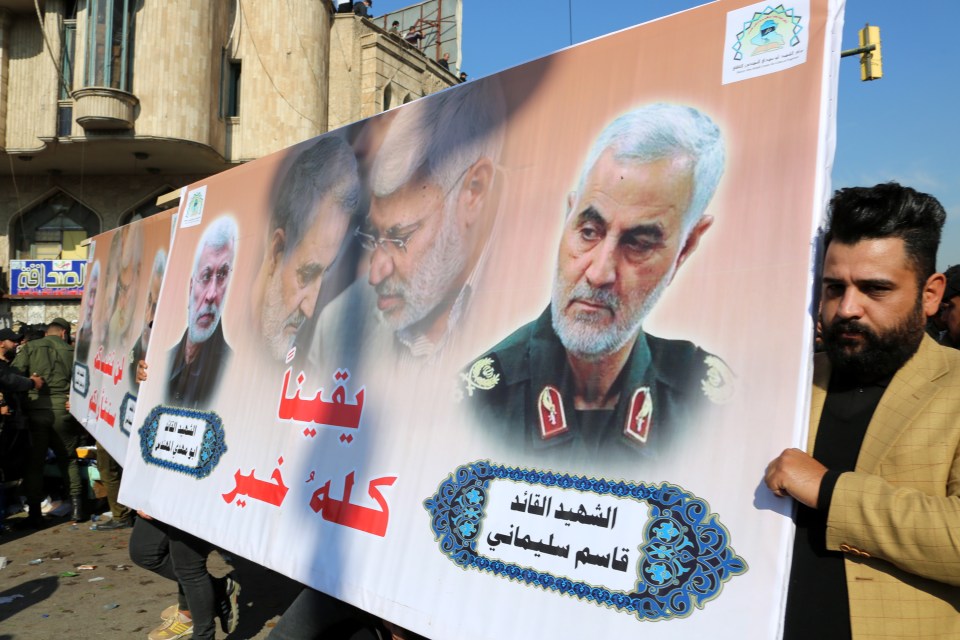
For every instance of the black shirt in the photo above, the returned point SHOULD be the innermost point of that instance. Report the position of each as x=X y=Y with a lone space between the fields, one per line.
x=817 y=603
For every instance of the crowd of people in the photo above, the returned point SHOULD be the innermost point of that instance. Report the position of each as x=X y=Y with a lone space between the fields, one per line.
x=35 y=372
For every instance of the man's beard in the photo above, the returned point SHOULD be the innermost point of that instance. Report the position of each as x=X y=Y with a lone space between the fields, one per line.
x=585 y=339
x=120 y=322
x=432 y=280
x=879 y=355
x=196 y=333
x=274 y=319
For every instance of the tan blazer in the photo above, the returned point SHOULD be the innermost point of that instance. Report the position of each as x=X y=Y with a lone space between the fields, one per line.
x=897 y=516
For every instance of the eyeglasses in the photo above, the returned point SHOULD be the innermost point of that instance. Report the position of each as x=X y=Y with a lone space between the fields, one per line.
x=399 y=237
x=396 y=238
x=209 y=274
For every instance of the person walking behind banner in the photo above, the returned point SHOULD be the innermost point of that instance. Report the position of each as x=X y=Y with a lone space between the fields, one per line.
x=121 y=516
x=314 y=615
x=201 y=598
x=14 y=434
x=51 y=359
x=181 y=557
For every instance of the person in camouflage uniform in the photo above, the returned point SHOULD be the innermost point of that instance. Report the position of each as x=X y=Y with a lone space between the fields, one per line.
x=51 y=425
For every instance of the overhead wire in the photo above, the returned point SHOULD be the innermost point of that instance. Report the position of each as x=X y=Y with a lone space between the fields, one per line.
x=303 y=50
x=266 y=71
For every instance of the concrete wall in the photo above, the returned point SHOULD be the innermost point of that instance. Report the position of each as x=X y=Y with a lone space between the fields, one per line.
x=365 y=60
x=5 y=20
x=173 y=70
x=283 y=48
x=32 y=81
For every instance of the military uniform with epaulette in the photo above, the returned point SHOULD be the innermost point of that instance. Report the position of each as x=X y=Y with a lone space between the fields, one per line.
x=521 y=392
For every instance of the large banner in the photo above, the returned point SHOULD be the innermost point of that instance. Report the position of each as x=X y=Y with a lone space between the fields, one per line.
x=119 y=305
x=510 y=360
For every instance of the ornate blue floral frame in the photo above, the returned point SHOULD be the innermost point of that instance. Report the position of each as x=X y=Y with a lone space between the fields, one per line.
x=82 y=389
x=212 y=447
x=684 y=560
x=127 y=399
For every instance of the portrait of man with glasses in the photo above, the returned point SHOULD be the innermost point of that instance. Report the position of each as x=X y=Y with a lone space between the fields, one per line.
x=197 y=361
x=431 y=215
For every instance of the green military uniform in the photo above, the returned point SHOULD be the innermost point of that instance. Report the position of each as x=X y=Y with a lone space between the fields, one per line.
x=522 y=393
x=51 y=425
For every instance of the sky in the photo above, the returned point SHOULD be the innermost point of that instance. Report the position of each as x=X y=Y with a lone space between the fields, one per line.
x=902 y=127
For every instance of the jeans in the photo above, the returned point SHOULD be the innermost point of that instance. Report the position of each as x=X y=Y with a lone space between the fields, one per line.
x=315 y=615
x=181 y=557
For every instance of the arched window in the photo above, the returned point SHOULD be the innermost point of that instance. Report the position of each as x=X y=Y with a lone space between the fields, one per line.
x=387 y=96
x=110 y=40
x=53 y=229
x=407 y=98
x=146 y=208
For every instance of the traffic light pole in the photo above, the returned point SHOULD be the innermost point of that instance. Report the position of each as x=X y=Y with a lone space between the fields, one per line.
x=856 y=52
x=871 y=67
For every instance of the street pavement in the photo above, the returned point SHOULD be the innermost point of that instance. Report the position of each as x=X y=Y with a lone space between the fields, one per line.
x=116 y=599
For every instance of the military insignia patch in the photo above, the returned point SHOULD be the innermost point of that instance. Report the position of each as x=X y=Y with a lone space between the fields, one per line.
x=482 y=375
x=717 y=384
x=553 y=422
x=640 y=416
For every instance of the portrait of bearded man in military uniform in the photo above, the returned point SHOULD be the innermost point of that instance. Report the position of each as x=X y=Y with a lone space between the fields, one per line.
x=584 y=381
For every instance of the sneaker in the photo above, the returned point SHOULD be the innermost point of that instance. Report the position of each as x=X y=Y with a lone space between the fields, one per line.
x=170 y=612
x=173 y=629
x=113 y=524
x=229 y=609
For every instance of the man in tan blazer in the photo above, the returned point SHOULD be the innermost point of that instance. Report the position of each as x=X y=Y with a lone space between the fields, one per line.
x=877 y=552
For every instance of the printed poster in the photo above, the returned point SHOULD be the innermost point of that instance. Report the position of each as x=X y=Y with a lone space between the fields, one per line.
x=117 y=315
x=511 y=359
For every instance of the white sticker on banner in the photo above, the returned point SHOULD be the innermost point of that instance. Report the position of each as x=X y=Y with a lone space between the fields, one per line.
x=193 y=213
x=765 y=38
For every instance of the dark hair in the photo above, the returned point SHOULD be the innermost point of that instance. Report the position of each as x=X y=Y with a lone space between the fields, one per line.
x=327 y=167
x=890 y=211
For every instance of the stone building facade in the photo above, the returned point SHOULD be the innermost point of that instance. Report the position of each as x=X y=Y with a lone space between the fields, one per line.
x=105 y=105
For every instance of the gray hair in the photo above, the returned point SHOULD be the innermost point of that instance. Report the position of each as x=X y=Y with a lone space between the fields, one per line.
x=439 y=137
x=159 y=263
x=329 y=166
x=222 y=233
x=94 y=272
x=659 y=131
